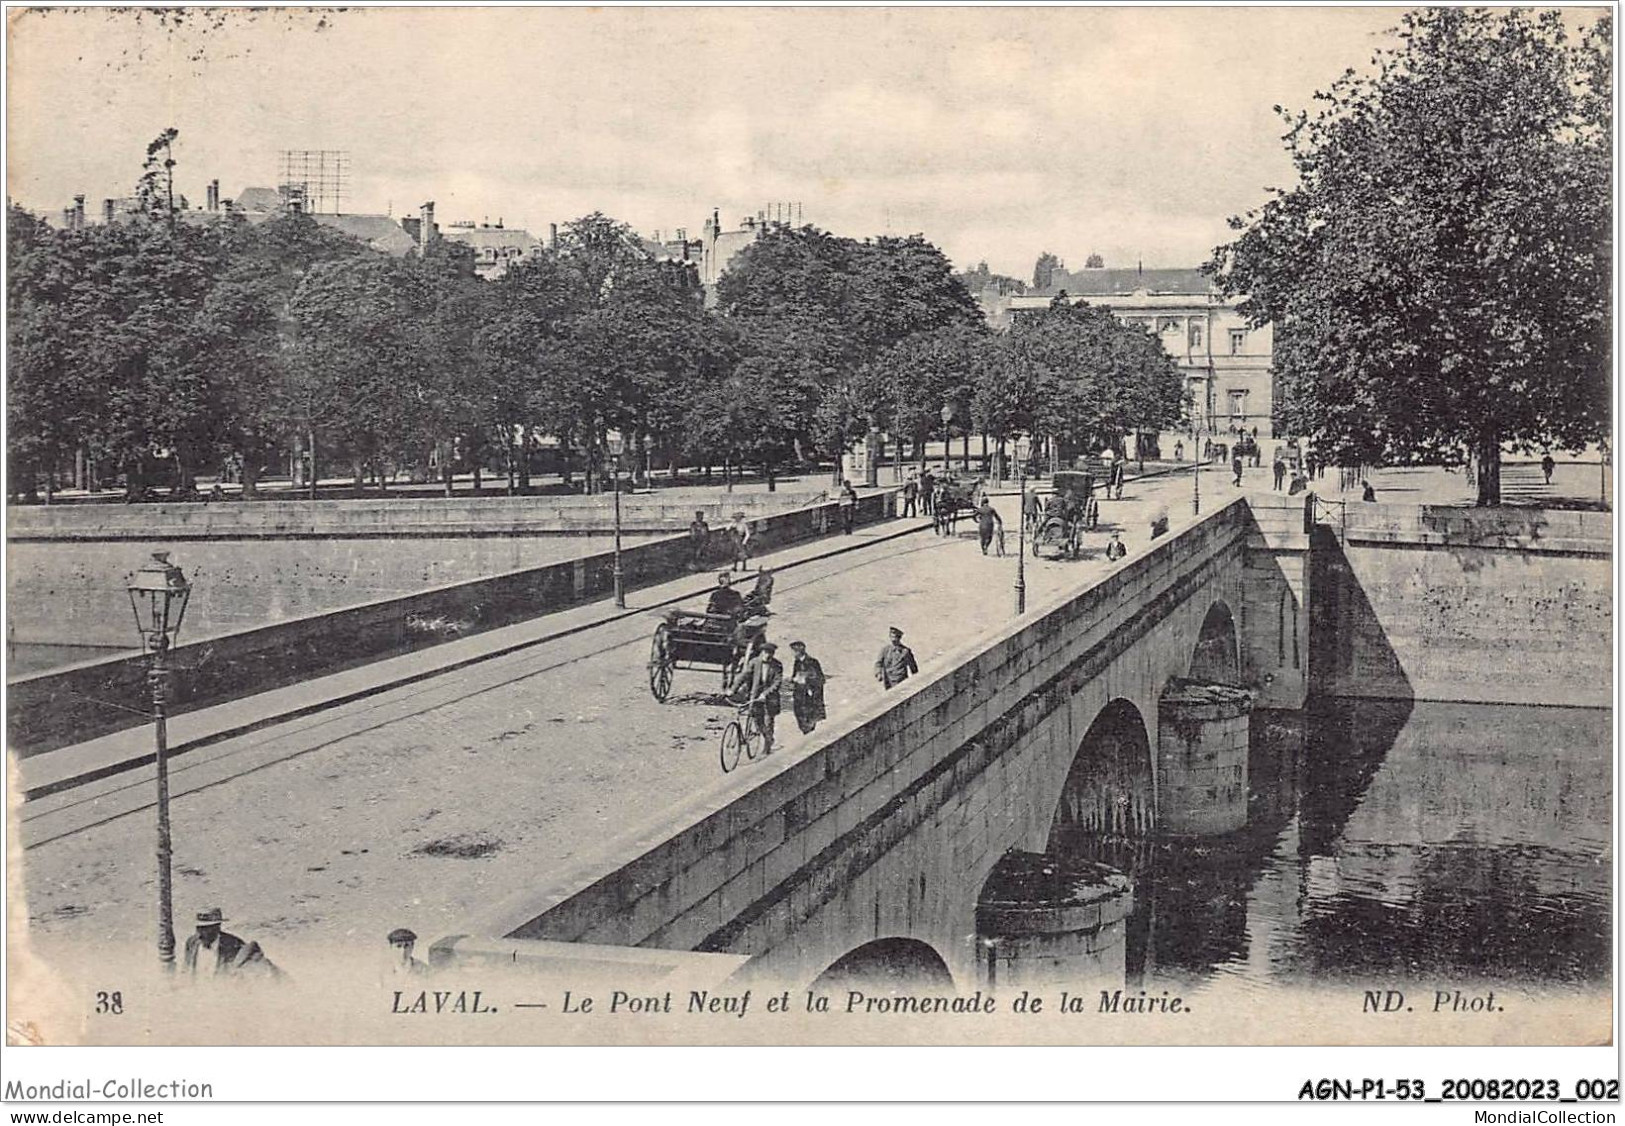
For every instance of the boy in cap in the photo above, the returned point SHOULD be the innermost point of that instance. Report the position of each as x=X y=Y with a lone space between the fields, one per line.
x=896 y=661
x=401 y=943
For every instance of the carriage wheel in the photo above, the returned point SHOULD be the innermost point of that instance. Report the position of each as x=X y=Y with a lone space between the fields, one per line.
x=661 y=665
x=732 y=740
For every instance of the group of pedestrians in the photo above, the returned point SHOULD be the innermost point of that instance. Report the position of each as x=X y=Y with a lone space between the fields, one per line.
x=921 y=493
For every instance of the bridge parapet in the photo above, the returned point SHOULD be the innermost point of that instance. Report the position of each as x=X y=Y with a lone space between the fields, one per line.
x=937 y=778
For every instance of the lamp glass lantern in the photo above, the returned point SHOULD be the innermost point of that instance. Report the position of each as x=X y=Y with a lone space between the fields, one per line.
x=158 y=596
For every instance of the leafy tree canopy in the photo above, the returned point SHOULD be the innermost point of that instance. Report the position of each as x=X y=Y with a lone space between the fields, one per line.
x=1438 y=281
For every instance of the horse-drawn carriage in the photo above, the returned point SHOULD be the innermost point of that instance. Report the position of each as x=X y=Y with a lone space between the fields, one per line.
x=955 y=497
x=685 y=639
x=1072 y=509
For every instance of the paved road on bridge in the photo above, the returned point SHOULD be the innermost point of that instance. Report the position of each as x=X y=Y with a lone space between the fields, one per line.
x=417 y=806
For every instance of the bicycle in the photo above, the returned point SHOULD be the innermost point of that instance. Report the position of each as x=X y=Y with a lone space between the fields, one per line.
x=744 y=732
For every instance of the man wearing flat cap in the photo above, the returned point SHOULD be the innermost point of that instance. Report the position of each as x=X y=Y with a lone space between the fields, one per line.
x=896 y=661
x=767 y=678
x=401 y=944
x=217 y=952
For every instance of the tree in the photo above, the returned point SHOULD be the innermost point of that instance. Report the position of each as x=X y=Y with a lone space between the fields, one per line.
x=363 y=378
x=1044 y=270
x=823 y=310
x=1438 y=281
x=1088 y=379
x=980 y=277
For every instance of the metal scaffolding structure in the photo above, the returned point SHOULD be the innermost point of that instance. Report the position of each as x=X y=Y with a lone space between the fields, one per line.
x=315 y=179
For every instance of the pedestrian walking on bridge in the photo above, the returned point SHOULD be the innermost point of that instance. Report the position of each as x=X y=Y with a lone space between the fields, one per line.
x=911 y=494
x=987 y=519
x=896 y=661
x=806 y=688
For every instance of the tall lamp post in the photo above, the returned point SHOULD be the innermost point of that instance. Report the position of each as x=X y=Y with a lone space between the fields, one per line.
x=1021 y=528
x=616 y=445
x=947 y=440
x=1196 y=469
x=158 y=594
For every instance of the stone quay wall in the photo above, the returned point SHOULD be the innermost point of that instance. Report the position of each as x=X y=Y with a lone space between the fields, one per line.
x=52 y=709
x=254 y=564
x=1495 y=605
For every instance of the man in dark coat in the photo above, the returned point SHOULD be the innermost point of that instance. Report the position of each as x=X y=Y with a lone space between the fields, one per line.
x=1280 y=470
x=725 y=601
x=699 y=538
x=987 y=519
x=911 y=495
x=928 y=482
x=214 y=952
x=807 y=688
x=1235 y=467
x=896 y=661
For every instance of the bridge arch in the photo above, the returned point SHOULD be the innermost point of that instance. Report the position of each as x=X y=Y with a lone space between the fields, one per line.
x=1110 y=788
x=1217 y=657
x=888 y=963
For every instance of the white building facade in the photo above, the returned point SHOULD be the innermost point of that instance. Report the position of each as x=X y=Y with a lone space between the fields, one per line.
x=1225 y=362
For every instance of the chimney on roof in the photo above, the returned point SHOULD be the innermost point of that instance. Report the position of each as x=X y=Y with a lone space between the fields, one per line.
x=213 y=196
x=107 y=211
x=552 y=236
x=79 y=212
x=426 y=229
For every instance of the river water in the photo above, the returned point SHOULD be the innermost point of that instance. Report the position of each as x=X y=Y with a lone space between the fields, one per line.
x=1391 y=840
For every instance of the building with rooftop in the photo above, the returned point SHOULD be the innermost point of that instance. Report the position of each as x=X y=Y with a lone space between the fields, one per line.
x=1225 y=362
x=495 y=247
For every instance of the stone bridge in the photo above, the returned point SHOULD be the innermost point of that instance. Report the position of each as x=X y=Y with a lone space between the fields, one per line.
x=917 y=837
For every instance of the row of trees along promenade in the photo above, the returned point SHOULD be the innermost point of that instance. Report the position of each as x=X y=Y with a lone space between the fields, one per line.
x=1438 y=282
x=201 y=341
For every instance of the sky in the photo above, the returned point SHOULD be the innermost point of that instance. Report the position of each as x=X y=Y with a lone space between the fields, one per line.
x=998 y=133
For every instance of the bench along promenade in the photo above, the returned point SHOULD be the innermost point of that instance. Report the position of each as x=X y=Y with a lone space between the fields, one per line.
x=539 y=807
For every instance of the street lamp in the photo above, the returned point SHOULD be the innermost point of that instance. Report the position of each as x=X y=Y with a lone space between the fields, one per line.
x=616 y=445
x=158 y=594
x=947 y=418
x=1021 y=528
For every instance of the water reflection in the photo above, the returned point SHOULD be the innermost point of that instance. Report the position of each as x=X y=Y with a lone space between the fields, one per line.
x=1391 y=840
